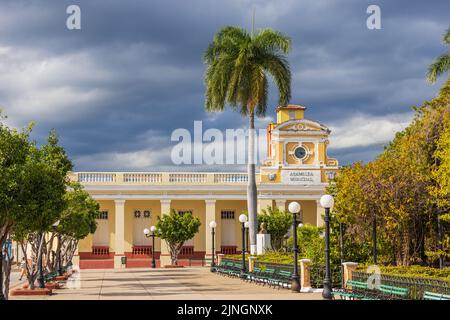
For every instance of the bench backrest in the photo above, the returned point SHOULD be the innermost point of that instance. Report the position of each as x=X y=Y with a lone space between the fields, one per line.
x=427 y=295
x=269 y=270
x=285 y=273
x=357 y=284
x=394 y=290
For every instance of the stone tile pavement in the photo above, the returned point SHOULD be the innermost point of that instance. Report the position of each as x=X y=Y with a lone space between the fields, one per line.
x=174 y=284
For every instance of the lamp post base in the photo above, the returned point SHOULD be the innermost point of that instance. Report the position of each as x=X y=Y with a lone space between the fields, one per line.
x=213 y=269
x=295 y=284
x=243 y=275
x=327 y=291
x=153 y=264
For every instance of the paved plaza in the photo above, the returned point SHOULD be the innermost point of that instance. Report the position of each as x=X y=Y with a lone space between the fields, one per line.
x=176 y=284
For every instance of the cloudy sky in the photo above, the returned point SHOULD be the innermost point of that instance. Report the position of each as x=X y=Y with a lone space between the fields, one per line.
x=116 y=89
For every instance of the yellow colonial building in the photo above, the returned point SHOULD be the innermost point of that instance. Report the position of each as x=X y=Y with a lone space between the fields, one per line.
x=297 y=169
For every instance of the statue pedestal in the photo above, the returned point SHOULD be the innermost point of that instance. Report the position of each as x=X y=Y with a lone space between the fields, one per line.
x=262 y=243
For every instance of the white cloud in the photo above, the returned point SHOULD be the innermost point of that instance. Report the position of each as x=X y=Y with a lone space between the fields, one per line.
x=365 y=130
x=141 y=159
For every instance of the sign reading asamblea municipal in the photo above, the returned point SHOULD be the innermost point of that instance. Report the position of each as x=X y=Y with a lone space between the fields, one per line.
x=301 y=177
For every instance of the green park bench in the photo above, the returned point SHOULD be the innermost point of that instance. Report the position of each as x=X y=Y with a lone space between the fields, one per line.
x=353 y=290
x=361 y=291
x=394 y=292
x=254 y=275
x=283 y=278
x=50 y=276
x=427 y=295
x=229 y=268
x=236 y=270
x=267 y=276
x=220 y=268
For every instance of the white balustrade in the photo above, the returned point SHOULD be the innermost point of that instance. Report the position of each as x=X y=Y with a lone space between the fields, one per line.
x=187 y=177
x=230 y=178
x=142 y=177
x=96 y=177
x=163 y=178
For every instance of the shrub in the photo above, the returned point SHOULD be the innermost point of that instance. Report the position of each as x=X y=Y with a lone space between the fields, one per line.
x=278 y=223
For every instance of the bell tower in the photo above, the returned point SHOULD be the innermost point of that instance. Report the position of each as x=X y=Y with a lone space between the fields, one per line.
x=297 y=150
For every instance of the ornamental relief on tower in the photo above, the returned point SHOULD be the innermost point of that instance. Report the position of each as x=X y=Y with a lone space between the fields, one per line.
x=302 y=126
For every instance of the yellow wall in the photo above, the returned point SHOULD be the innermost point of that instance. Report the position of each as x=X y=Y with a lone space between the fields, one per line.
x=85 y=245
x=283 y=115
x=310 y=146
x=130 y=206
x=239 y=207
x=309 y=209
x=198 y=208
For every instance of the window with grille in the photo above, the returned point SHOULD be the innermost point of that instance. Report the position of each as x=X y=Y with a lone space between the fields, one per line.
x=183 y=212
x=227 y=214
x=103 y=215
x=141 y=214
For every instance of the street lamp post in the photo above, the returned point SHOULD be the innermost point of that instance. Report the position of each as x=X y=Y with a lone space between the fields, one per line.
x=246 y=225
x=152 y=235
x=294 y=208
x=213 y=226
x=327 y=201
x=243 y=220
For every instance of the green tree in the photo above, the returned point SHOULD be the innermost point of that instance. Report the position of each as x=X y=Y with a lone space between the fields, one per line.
x=278 y=223
x=442 y=63
x=404 y=188
x=44 y=188
x=238 y=66
x=77 y=221
x=175 y=229
x=14 y=155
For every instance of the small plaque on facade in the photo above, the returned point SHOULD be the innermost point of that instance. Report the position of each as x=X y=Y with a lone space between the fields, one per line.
x=301 y=177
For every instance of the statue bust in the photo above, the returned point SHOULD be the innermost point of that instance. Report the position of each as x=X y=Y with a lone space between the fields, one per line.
x=263 y=228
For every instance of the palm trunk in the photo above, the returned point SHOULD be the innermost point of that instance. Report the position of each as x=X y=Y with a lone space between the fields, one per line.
x=251 y=186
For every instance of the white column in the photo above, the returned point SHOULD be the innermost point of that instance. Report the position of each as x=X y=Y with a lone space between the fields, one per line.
x=119 y=246
x=165 y=253
x=210 y=215
x=320 y=212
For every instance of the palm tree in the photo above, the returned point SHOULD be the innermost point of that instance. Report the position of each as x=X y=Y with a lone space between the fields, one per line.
x=442 y=63
x=238 y=65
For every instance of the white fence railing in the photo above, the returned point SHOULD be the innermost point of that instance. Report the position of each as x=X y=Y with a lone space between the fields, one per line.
x=96 y=177
x=142 y=177
x=161 y=177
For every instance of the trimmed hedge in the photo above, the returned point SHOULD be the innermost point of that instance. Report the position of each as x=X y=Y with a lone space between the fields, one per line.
x=414 y=271
x=410 y=271
x=269 y=257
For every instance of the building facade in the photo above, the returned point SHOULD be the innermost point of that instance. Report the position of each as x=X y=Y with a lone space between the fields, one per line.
x=297 y=169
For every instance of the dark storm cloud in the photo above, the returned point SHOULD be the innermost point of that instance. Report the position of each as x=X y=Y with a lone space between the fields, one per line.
x=117 y=89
